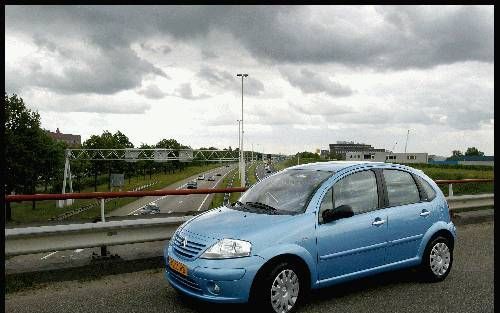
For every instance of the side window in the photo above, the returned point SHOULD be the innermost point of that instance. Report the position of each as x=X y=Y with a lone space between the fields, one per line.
x=358 y=190
x=430 y=193
x=401 y=188
x=326 y=203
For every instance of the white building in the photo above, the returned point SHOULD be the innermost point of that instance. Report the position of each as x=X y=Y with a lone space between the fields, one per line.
x=390 y=157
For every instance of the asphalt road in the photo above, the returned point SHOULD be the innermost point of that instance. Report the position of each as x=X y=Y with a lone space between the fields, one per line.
x=261 y=172
x=169 y=204
x=468 y=288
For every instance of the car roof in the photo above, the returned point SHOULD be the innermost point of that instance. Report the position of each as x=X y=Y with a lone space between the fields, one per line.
x=335 y=166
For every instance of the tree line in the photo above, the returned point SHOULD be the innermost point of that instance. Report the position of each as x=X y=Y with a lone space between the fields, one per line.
x=34 y=161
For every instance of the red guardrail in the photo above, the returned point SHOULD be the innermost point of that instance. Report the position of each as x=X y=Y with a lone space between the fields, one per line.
x=118 y=194
x=175 y=192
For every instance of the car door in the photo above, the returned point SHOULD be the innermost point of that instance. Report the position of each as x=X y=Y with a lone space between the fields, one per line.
x=409 y=214
x=355 y=243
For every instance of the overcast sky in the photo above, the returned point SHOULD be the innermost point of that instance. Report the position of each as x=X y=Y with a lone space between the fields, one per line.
x=317 y=74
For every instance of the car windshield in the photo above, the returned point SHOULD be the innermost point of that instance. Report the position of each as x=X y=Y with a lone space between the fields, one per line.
x=285 y=192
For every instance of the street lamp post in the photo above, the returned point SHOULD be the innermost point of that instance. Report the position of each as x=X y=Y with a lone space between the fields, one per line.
x=239 y=145
x=242 y=157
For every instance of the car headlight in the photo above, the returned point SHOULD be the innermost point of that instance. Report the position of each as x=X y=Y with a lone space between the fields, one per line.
x=228 y=248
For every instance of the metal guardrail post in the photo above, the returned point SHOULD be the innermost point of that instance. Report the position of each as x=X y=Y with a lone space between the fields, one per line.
x=104 y=250
x=450 y=190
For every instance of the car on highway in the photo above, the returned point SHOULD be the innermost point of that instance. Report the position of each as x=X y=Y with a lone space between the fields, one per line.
x=312 y=226
x=218 y=174
x=193 y=184
x=150 y=208
x=268 y=171
x=201 y=177
x=211 y=178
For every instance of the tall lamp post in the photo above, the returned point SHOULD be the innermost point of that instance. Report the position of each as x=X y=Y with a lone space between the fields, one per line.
x=239 y=141
x=242 y=157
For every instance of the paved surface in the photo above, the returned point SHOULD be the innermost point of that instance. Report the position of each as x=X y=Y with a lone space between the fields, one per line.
x=167 y=204
x=261 y=172
x=468 y=288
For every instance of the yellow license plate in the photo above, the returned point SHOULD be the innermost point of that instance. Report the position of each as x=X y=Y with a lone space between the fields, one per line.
x=178 y=266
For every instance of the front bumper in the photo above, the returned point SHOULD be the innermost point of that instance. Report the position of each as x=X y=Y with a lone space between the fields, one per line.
x=233 y=277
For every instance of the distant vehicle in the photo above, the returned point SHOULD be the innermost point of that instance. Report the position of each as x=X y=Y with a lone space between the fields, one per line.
x=151 y=208
x=227 y=165
x=211 y=178
x=192 y=185
x=201 y=177
x=268 y=171
x=218 y=174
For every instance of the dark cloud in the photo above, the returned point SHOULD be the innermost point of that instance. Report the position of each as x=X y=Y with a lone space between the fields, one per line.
x=311 y=82
x=381 y=37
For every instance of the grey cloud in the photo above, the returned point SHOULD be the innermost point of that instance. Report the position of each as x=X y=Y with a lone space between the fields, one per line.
x=310 y=82
x=403 y=37
x=185 y=91
x=112 y=71
x=163 y=49
x=324 y=108
x=208 y=54
x=90 y=104
x=152 y=92
x=226 y=81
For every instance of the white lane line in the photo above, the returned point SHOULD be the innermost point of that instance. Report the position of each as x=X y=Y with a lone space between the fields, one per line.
x=43 y=258
x=206 y=197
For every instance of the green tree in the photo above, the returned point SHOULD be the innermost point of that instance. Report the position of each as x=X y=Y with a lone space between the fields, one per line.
x=31 y=155
x=473 y=151
x=107 y=140
x=456 y=153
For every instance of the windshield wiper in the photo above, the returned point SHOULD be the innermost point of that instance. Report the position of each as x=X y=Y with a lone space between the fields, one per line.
x=261 y=206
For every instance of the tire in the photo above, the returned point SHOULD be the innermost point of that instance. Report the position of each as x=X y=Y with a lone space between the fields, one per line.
x=280 y=289
x=437 y=259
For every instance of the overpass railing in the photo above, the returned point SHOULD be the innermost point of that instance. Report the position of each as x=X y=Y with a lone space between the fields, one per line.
x=28 y=240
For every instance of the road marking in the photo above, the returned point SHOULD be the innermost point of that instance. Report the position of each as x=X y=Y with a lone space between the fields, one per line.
x=206 y=197
x=43 y=258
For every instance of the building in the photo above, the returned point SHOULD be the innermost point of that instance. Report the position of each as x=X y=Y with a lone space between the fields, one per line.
x=70 y=139
x=387 y=156
x=343 y=147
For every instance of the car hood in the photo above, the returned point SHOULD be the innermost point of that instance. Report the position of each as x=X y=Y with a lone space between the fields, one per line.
x=224 y=222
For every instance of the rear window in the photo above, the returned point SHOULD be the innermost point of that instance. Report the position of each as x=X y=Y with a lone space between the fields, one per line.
x=401 y=188
x=429 y=193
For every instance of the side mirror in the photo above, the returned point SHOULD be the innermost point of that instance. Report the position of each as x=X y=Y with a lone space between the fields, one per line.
x=339 y=212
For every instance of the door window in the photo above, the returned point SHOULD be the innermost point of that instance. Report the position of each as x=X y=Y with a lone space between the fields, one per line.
x=401 y=188
x=358 y=190
x=326 y=203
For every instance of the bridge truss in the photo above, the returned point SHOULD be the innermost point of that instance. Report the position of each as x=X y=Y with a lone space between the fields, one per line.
x=156 y=155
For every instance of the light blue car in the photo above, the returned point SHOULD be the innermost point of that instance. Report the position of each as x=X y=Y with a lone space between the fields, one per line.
x=312 y=226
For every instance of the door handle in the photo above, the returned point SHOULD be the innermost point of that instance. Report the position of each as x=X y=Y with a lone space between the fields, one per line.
x=378 y=222
x=425 y=213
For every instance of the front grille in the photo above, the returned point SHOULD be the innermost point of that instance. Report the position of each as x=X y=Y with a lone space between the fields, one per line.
x=184 y=281
x=187 y=247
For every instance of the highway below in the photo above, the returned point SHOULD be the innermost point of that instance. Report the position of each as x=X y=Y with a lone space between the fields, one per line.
x=468 y=288
x=167 y=204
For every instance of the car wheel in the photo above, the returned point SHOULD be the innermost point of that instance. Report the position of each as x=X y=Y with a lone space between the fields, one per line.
x=437 y=259
x=280 y=289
